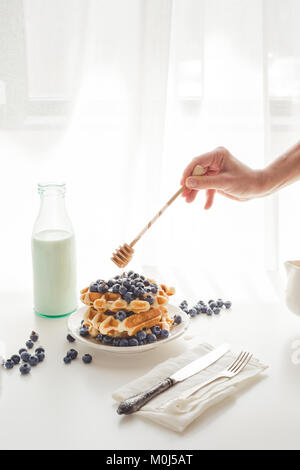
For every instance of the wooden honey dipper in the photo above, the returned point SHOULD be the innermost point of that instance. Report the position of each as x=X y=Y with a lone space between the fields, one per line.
x=123 y=255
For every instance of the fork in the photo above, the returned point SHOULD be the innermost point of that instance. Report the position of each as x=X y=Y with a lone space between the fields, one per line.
x=230 y=371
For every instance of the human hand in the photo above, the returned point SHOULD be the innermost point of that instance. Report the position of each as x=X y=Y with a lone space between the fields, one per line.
x=224 y=174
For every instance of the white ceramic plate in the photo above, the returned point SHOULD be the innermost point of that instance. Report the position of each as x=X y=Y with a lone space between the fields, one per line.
x=74 y=324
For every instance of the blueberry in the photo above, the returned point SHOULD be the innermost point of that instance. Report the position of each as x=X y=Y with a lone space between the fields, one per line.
x=67 y=360
x=128 y=297
x=84 y=331
x=25 y=369
x=133 y=342
x=9 y=364
x=22 y=350
x=227 y=304
x=212 y=305
x=130 y=273
x=142 y=342
x=164 y=333
x=117 y=276
x=33 y=361
x=25 y=356
x=149 y=299
x=140 y=292
x=192 y=312
x=183 y=303
x=154 y=290
x=209 y=311
x=116 y=288
x=146 y=283
x=72 y=353
x=220 y=303
x=40 y=356
x=34 y=336
x=127 y=284
x=135 y=276
x=93 y=288
x=156 y=330
x=197 y=308
x=151 y=338
x=87 y=359
x=116 y=342
x=110 y=283
x=123 y=291
x=121 y=315
x=107 y=339
x=210 y=301
x=177 y=319
x=39 y=350
x=140 y=284
x=217 y=310
x=102 y=289
x=99 y=338
x=29 y=344
x=70 y=339
x=141 y=335
x=204 y=309
x=15 y=358
x=124 y=342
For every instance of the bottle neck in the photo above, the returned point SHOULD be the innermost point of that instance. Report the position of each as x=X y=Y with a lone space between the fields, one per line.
x=52 y=214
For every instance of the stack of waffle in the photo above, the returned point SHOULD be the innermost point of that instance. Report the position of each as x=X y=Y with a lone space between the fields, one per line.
x=125 y=305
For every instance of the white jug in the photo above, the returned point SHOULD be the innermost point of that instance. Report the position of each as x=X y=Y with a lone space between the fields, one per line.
x=293 y=286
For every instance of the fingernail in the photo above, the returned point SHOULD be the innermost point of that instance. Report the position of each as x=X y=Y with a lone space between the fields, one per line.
x=191 y=183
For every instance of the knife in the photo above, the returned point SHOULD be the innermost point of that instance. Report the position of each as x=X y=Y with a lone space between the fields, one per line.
x=136 y=402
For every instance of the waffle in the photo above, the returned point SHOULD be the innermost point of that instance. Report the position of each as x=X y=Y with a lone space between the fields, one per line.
x=100 y=316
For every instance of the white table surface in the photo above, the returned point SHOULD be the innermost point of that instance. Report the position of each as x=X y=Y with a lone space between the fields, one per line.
x=70 y=407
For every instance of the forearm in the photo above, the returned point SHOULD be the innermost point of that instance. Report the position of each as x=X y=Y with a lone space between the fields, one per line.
x=283 y=171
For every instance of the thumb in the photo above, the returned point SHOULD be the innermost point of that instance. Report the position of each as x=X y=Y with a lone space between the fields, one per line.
x=204 y=182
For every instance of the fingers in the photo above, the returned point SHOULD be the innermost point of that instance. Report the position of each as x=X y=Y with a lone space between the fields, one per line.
x=204 y=182
x=210 y=195
x=212 y=162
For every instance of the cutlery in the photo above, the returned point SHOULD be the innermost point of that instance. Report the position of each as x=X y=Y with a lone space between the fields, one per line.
x=134 y=403
x=123 y=254
x=232 y=370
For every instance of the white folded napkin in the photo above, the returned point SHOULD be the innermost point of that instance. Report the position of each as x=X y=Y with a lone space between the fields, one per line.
x=180 y=413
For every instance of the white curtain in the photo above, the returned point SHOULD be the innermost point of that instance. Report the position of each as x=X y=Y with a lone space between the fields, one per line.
x=116 y=97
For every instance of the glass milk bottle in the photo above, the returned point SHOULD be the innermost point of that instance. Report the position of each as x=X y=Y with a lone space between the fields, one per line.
x=53 y=255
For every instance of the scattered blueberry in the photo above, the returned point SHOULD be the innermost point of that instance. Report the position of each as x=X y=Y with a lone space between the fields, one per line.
x=87 y=359
x=123 y=291
x=124 y=342
x=209 y=311
x=177 y=319
x=70 y=339
x=34 y=336
x=40 y=356
x=33 y=361
x=151 y=338
x=22 y=350
x=93 y=288
x=156 y=330
x=72 y=353
x=25 y=369
x=107 y=339
x=116 y=342
x=149 y=299
x=120 y=315
x=29 y=344
x=192 y=312
x=216 y=310
x=227 y=304
x=220 y=303
x=133 y=342
x=203 y=309
x=212 y=305
x=15 y=358
x=164 y=333
x=25 y=356
x=116 y=288
x=141 y=335
x=9 y=364
x=84 y=331
x=67 y=360
x=99 y=338
x=40 y=349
